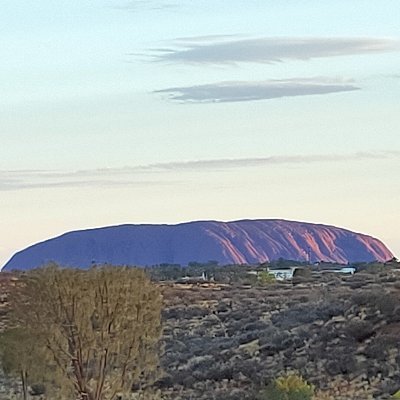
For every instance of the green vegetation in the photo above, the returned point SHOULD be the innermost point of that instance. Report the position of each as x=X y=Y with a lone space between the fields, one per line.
x=230 y=274
x=289 y=387
x=20 y=356
x=265 y=278
x=256 y=274
x=97 y=330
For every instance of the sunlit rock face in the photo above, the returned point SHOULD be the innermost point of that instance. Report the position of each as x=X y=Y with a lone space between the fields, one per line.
x=238 y=242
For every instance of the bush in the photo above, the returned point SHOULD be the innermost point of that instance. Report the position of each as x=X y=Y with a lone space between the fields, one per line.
x=37 y=389
x=289 y=387
x=265 y=278
x=304 y=273
x=377 y=299
x=359 y=330
x=97 y=330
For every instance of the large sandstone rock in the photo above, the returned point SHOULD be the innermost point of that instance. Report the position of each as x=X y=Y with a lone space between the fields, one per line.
x=239 y=242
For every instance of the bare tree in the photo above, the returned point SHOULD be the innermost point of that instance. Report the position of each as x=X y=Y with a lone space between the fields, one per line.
x=100 y=328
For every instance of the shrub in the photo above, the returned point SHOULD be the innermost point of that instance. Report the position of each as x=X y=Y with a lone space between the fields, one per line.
x=97 y=329
x=289 y=387
x=37 y=389
x=304 y=273
x=265 y=278
x=396 y=395
x=359 y=330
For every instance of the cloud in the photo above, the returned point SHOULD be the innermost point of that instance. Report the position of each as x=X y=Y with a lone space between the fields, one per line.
x=234 y=91
x=214 y=50
x=155 y=174
x=40 y=182
x=222 y=164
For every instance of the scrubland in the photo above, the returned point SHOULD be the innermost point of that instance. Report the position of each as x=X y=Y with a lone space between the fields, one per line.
x=229 y=341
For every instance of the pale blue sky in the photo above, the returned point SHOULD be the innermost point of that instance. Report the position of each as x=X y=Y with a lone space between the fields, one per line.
x=300 y=96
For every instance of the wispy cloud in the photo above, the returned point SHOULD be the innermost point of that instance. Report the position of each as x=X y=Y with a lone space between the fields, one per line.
x=40 y=182
x=155 y=174
x=214 y=50
x=224 y=163
x=222 y=92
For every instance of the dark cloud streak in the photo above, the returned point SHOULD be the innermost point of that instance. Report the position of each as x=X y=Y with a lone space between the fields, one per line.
x=273 y=50
x=223 y=92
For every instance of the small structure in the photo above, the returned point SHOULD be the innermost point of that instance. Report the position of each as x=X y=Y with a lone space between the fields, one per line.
x=287 y=273
x=194 y=279
x=344 y=270
x=282 y=274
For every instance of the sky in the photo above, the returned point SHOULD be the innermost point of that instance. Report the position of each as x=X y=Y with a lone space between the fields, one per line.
x=151 y=111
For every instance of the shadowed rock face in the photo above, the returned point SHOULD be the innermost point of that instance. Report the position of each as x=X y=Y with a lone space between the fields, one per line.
x=247 y=241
